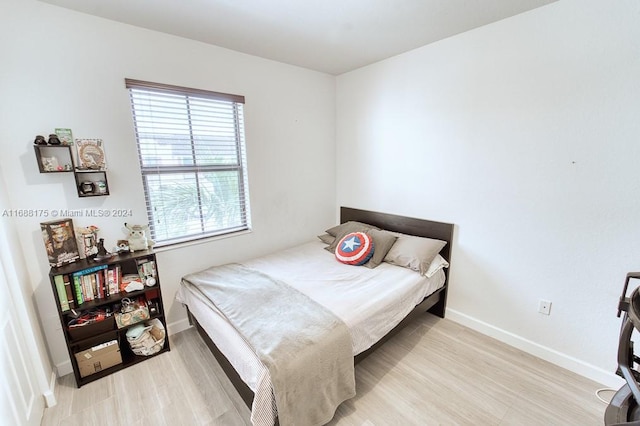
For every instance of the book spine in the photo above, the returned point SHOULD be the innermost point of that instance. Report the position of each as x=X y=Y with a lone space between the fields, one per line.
x=89 y=270
x=100 y=282
x=118 y=277
x=79 y=295
x=69 y=291
x=111 y=281
x=95 y=286
x=105 y=281
x=91 y=282
x=62 y=294
x=88 y=290
x=85 y=290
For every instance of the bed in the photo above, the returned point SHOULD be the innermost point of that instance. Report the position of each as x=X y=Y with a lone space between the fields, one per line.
x=371 y=318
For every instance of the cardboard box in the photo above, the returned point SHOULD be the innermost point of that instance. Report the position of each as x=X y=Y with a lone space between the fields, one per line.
x=98 y=358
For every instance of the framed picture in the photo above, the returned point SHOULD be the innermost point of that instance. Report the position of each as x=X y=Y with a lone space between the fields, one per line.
x=65 y=136
x=60 y=242
x=91 y=154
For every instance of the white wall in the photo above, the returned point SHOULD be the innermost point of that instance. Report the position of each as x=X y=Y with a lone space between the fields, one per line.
x=66 y=69
x=526 y=135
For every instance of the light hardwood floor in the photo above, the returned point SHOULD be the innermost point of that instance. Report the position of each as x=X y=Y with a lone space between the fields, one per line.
x=435 y=372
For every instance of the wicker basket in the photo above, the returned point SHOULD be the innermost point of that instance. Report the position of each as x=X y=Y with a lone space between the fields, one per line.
x=147 y=339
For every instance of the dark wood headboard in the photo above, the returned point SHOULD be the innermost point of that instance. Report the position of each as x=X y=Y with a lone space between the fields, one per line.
x=406 y=225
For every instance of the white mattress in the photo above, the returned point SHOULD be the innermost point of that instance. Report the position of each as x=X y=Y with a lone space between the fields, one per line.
x=369 y=301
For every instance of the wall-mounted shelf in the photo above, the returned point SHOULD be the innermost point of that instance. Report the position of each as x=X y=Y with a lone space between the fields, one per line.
x=59 y=159
x=91 y=183
x=54 y=158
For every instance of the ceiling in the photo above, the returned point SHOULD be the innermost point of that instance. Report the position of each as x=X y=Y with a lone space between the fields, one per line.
x=332 y=36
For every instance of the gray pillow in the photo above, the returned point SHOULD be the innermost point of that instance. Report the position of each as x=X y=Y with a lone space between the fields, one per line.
x=382 y=243
x=415 y=253
x=349 y=227
x=326 y=238
x=343 y=229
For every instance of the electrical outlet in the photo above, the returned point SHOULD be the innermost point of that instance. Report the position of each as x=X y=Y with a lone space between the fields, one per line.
x=544 y=307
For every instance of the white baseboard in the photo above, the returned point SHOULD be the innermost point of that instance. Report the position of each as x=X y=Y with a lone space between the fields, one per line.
x=50 y=394
x=575 y=365
x=178 y=326
x=64 y=368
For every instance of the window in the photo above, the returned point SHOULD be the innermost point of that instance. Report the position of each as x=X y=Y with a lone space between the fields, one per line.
x=193 y=160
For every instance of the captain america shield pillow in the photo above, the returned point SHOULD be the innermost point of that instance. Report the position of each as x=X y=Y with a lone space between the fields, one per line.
x=355 y=248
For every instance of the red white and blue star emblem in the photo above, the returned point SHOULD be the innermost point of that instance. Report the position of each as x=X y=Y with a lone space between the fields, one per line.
x=355 y=249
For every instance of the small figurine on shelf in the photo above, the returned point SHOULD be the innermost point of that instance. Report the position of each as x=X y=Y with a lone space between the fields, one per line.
x=49 y=164
x=88 y=237
x=101 y=250
x=122 y=246
x=53 y=139
x=138 y=237
x=39 y=140
x=102 y=254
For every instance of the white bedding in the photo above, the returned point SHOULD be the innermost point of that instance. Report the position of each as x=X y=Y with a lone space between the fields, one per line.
x=369 y=301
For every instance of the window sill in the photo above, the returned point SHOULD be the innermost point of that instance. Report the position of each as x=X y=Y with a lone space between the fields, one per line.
x=204 y=240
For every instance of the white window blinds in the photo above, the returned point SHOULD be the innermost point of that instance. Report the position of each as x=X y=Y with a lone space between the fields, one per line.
x=192 y=155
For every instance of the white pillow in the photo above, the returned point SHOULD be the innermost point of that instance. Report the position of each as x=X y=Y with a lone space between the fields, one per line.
x=438 y=263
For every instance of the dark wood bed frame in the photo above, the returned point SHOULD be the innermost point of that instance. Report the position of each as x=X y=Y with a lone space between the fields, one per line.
x=435 y=303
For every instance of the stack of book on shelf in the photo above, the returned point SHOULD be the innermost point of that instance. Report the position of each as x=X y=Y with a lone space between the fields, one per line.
x=94 y=283
x=91 y=283
x=102 y=281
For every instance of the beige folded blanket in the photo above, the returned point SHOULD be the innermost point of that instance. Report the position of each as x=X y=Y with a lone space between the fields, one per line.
x=306 y=348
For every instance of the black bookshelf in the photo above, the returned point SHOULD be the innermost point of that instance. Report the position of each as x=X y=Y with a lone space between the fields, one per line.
x=100 y=348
